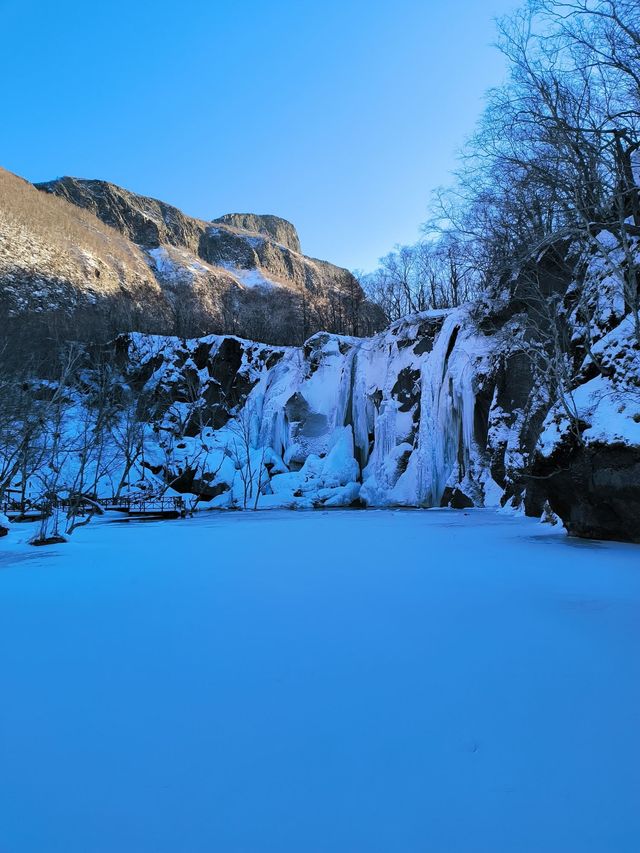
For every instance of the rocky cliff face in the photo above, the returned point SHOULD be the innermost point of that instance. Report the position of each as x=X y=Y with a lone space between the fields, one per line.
x=404 y=418
x=142 y=220
x=269 y=226
x=588 y=466
x=380 y=421
x=240 y=273
x=87 y=259
x=413 y=414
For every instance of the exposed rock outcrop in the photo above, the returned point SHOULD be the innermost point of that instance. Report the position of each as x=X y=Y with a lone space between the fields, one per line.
x=595 y=489
x=271 y=226
x=86 y=258
x=240 y=273
x=145 y=221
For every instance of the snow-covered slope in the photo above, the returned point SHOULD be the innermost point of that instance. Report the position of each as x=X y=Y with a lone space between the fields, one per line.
x=62 y=268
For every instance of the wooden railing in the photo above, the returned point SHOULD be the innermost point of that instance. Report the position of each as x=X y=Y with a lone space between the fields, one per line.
x=9 y=505
x=167 y=507
x=158 y=506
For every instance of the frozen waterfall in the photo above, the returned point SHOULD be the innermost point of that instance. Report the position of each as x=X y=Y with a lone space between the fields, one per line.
x=400 y=405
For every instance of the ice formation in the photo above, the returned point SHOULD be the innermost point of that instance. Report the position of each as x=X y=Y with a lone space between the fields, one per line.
x=387 y=420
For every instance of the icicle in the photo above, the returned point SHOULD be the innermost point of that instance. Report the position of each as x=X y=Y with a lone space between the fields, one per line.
x=362 y=409
x=447 y=414
x=345 y=390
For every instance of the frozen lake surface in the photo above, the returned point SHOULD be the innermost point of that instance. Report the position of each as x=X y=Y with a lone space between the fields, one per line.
x=318 y=682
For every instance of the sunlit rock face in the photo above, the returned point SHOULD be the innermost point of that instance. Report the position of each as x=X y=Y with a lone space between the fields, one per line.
x=241 y=273
x=277 y=229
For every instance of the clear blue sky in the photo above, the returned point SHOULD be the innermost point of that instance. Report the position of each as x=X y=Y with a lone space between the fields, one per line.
x=340 y=115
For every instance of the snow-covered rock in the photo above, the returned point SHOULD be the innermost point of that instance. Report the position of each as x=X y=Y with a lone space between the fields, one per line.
x=589 y=448
x=387 y=420
x=5 y=525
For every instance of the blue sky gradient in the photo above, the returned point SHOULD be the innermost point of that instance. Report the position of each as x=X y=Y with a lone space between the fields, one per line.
x=340 y=116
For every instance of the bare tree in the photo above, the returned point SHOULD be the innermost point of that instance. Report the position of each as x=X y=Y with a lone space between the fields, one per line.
x=127 y=433
x=27 y=405
x=252 y=473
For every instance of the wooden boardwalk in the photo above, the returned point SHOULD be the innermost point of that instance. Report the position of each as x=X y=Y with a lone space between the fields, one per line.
x=152 y=507
x=159 y=508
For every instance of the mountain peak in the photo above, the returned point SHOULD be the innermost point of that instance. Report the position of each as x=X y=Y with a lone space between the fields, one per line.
x=275 y=227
